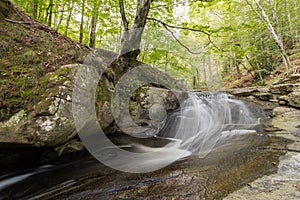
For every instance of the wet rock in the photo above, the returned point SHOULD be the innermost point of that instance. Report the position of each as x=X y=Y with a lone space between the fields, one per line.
x=72 y=146
x=284 y=184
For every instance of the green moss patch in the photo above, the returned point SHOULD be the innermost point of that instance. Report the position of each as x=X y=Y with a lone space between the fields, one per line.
x=28 y=53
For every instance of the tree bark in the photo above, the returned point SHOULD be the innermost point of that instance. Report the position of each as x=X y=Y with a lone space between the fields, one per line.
x=82 y=21
x=69 y=18
x=93 y=31
x=131 y=39
x=50 y=13
x=237 y=67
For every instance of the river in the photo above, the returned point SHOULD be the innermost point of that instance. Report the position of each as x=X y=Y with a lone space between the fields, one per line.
x=227 y=148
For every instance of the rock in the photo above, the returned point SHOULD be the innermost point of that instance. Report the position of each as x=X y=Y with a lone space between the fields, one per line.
x=284 y=183
x=242 y=92
x=9 y=130
x=282 y=110
x=51 y=122
x=265 y=96
x=282 y=103
x=283 y=98
x=283 y=89
x=150 y=103
x=294 y=98
x=72 y=146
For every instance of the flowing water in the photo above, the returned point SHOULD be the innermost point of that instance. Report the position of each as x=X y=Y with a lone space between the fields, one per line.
x=218 y=140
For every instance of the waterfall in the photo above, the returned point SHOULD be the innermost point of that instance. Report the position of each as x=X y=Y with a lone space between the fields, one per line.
x=207 y=119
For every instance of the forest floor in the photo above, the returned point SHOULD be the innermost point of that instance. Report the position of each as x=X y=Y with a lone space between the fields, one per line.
x=248 y=80
x=28 y=51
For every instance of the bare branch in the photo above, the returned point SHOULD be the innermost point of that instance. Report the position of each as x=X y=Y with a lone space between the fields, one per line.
x=167 y=26
x=178 y=27
x=123 y=15
x=184 y=46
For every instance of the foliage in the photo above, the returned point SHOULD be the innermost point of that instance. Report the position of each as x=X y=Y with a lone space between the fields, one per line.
x=216 y=38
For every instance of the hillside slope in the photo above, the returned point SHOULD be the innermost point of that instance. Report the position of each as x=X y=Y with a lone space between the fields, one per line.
x=28 y=51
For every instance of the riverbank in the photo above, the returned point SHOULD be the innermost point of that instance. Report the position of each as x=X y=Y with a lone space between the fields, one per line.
x=285 y=183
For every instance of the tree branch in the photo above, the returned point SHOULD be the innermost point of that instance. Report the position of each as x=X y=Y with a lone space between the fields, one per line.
x=123 y=15
x=178 y=27
x=181 y=44
x=143 y=7
x=167 y=26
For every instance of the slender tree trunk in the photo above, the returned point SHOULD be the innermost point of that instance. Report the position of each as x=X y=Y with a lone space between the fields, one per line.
x=211 y=79
x=49 y=11
x=273 y=11
x=296 y=16
x=93 y=31
x=61 y=17
x=35 y=8
x=81 y=22
x=276 y=37
x=28 y=8
x=166 y=60
x=204 y=70
x=69 y=18
x=237 y=67
x=144 y=52
x=40 y=13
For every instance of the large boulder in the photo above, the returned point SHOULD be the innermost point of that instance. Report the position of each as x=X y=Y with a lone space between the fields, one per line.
x=51 y=122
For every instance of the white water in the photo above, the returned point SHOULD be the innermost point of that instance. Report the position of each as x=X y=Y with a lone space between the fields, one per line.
x=203 y=123
x=205 y=119
x=5 y=182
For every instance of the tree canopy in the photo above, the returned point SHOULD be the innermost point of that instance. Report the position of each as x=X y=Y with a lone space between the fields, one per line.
x=202 y=41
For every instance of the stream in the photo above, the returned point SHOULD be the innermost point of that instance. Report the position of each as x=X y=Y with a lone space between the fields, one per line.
x=224 y=143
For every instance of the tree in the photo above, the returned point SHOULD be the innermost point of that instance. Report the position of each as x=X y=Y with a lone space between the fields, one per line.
x=264 y=17
x=82 y=21
x=132 y=36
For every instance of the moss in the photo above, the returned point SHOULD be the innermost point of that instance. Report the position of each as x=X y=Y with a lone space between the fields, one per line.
x=43 y=107
x=4 y=47
x=4 y=9
x=27 y=56
x=14 y=120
